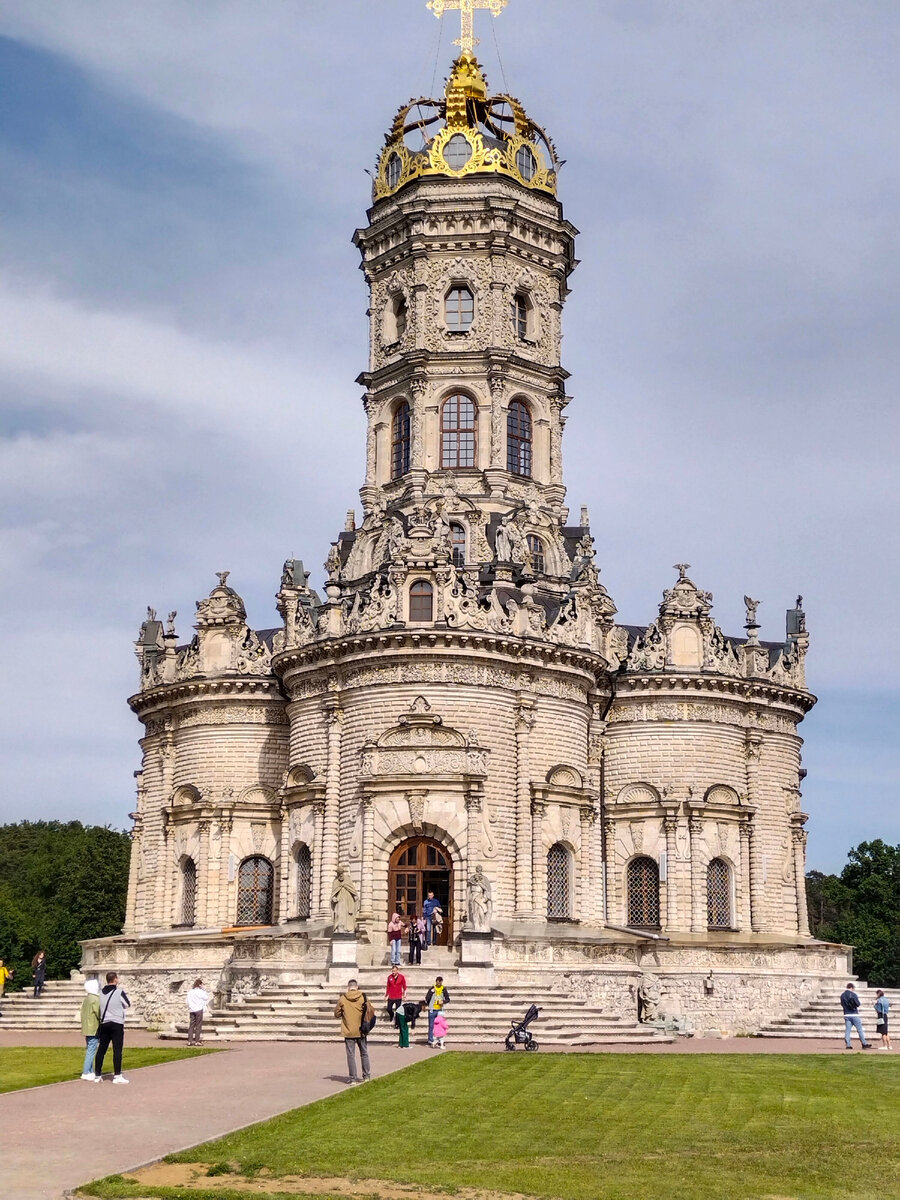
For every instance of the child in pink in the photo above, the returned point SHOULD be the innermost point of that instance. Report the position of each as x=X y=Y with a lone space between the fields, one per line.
x=440 y=1030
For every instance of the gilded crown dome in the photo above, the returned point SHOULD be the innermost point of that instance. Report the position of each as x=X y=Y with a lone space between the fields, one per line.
x=479 y=134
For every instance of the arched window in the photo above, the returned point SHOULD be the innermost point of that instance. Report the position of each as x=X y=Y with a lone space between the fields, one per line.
x=459 y=309
x=188 y=891
x=536 y=550
x=559 y=883
x=521 y=316
x=304 y=881
x=718 y=894
x=400 y=440
x=421 y=601
x=457 y=544
x=394 y=170
x=518 y=439
x=254 y=902
x=643 y=893
x=458 y=432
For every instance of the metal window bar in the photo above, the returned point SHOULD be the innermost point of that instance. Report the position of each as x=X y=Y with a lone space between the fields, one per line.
x=558 y=888
x=718 y=895
x=643 y=893
x=254 y=903
x=304 y=882
x=188 y=892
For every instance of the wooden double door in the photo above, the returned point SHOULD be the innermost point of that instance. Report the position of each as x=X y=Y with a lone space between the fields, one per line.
x=419 y=866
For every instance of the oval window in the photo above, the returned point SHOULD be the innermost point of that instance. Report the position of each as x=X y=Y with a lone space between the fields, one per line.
x=457 y=152
x=394 y=170
x=526 y=163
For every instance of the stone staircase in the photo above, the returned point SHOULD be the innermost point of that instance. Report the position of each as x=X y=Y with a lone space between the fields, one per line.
x=822 y=1017
x=476 y=1015
x=59 y=1007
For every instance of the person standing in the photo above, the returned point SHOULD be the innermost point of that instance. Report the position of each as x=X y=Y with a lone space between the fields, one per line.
x=5 y=975
x=428 y=912
x=39 y=972
x=440 y=1030
x=113 y=1003
x=850 y=1006
x=882 y=1006
x=400 y=1020
x=395 y=937
x=90 y=1024
x=351 y=1007
x=435 y=999
x=415 y=940
x=197 y=1000
x=394 y=991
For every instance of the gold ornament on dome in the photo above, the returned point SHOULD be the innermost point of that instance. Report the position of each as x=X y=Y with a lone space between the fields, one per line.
x=466 y=40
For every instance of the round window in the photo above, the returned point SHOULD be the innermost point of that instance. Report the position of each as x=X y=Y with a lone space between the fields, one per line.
x=394 y=170
x=526 y=163
x=457 y=152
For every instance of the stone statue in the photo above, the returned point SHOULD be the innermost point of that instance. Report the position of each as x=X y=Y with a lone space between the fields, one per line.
x=344 y=902
x=480 y=903
x=752 y=606
x=503 y=545
x=649 y=996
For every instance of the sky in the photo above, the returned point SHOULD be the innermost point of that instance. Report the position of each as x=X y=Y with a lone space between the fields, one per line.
x=182 y=318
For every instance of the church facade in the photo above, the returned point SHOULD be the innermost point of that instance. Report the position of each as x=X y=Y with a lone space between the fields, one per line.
x=463 y=695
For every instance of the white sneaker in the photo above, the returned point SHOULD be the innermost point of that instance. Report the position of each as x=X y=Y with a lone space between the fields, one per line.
x=120 y=1079
x=95 y=1078
x=89 y=1075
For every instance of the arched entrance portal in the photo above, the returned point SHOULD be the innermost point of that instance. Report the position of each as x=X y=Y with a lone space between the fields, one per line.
x=419 y=866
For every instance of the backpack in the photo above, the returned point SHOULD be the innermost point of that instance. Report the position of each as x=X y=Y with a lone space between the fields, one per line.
x=368 y=1020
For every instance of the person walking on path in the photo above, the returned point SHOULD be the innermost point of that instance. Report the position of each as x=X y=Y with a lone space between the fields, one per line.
x=5 y=975
x=850 y=1005
x=440 y=1030
x=113 y=1003
x=428 y=912
x=416 y=934
x=351 y=1008
x=435 y=999
x=394 y=990
x=882 y=1006
x=197 y=1000
x=395 y=937
x=39 y=972
x=90 y=1024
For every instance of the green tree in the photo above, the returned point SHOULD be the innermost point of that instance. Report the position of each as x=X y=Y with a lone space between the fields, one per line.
x=59 y=883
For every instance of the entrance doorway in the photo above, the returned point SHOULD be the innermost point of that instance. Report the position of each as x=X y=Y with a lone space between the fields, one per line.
x=419 y=866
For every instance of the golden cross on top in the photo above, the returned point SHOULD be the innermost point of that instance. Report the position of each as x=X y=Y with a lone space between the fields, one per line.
x=467 y=40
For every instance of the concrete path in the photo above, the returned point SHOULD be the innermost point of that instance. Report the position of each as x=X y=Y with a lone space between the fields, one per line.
x=56 y=1137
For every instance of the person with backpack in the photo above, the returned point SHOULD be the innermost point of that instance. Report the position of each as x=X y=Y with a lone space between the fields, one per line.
x=850 y=1006
x=882 y=1007
x=113 y=1003
x=90 y=1025
x=357 y=1021
x=435 y=999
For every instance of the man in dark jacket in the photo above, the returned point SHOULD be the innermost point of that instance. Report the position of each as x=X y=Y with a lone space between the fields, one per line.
x=852 y=1020
x=113 y=1003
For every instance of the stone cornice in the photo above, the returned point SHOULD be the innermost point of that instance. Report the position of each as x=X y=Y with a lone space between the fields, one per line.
x=245 y=687
x=653 y=685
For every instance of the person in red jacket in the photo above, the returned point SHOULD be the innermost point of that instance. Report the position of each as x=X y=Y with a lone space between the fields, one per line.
x=394 y=990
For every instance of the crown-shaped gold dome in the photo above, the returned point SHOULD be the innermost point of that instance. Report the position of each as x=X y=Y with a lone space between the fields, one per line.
x=480 y=134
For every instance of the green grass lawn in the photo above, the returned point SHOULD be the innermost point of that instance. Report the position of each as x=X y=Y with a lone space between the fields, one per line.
x=33 y=1066
x=593 y=1127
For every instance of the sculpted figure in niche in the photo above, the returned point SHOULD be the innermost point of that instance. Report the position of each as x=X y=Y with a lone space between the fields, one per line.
x=649 y=996
x=481 y=906
x=503 y=545
x=344 y=902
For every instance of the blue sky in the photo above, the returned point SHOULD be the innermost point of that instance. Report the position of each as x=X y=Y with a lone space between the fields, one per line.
x=182 y=319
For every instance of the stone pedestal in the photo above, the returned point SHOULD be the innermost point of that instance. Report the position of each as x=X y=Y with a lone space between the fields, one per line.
x=342 y=961
x=476 y=962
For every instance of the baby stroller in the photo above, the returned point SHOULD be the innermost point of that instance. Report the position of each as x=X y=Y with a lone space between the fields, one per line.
x=520 y=1034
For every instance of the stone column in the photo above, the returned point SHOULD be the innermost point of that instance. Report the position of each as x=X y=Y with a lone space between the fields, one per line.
x=162 y=917
x=670 y=825
x=131 y=914
x=613 y=911
x=798 y=834
x=370 y=405
x=367 y=866
x=525 y=881
x=497 y=441
x=282 y=913
x=201 y=911
x=590 y=885
x=318 y=900
x=331 y=823
x=538 y=860
x=473 y=831
x=417 y=452
x=556 y=427
x=699 y=918
x=753 y=752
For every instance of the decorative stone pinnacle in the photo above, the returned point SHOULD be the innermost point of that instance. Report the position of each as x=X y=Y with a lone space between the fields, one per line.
x=222 y=576
x=682 y=569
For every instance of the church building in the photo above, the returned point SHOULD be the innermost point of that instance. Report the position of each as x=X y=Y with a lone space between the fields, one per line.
x=461 y=712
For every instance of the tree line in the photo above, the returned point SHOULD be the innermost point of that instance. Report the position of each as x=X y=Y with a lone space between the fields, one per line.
x=59 y=883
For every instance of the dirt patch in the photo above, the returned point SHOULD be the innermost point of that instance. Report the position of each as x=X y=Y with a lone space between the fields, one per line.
x=196 y=1176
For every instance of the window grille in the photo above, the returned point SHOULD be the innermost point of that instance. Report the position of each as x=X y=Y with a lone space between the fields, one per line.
x=536 y=550
x=188 y=891
x=643 y=893
x=254 y=903
x=458 y=432
x=718 y=894
x=421 y=601
x=459 y=309
x=559 y=903
x=304 y=881
x=518 y=439
x=457 y=152
x=520 y=316
x=458 y=545
x=400 y=441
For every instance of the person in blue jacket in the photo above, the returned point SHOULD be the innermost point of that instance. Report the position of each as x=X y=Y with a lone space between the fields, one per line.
x=428 y=909
x=882 y=1006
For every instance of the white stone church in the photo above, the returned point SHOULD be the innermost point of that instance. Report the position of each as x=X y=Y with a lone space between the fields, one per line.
x=463 y=695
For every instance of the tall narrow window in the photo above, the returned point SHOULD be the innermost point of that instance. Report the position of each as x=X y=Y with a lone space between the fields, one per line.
x=304 y=881
x=458 y=432
x=536 y=550
x=188 y=891
x=518 y=439
x=421 y=601
x=400 y=440
x=458 y=544
x=559 y=889
x=643 y=893
x=255 y=882
x=520 y=315
x=459 y=309
x=718 y=894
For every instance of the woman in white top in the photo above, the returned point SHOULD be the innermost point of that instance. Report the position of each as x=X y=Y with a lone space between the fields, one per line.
x=197 y=1000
